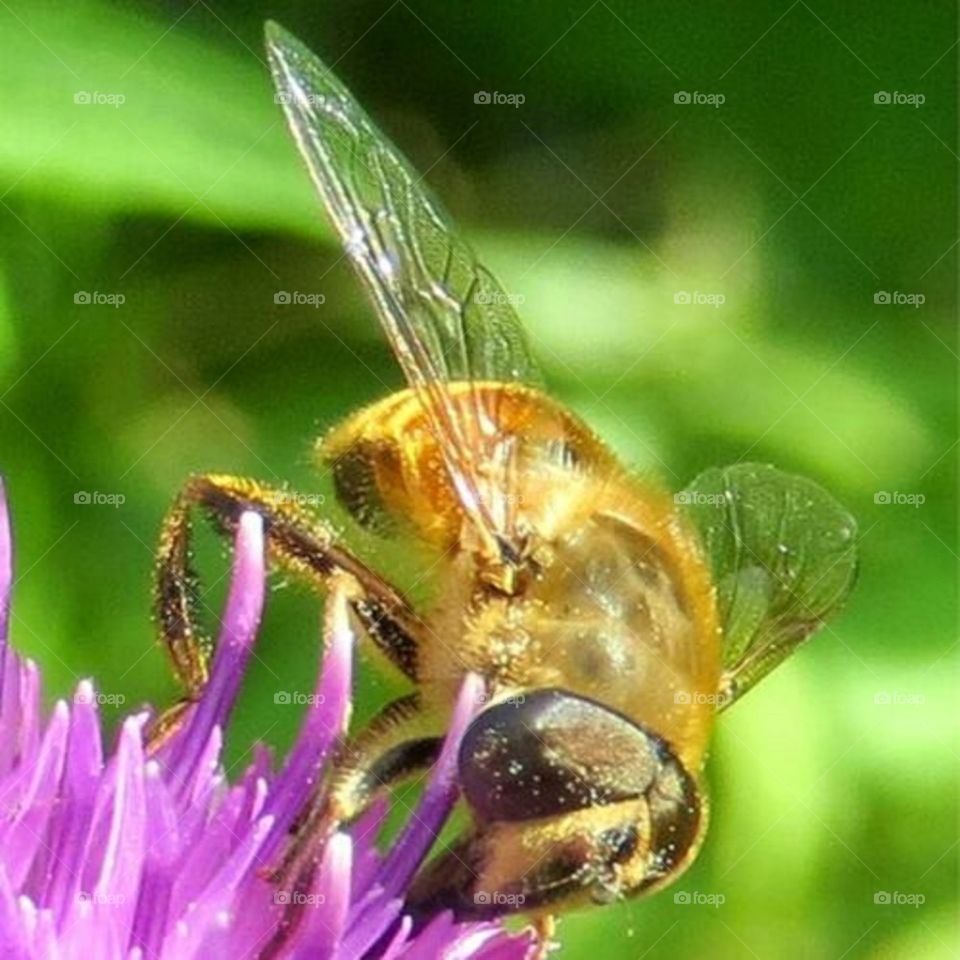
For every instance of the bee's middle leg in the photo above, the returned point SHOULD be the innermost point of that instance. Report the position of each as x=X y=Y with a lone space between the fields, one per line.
x=401 y=741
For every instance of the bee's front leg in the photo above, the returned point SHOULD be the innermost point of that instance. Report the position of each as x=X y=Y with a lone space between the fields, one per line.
x=298 y=542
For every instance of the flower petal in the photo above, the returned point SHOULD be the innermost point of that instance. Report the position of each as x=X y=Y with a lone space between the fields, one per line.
x=414 y=843
x=240 y=623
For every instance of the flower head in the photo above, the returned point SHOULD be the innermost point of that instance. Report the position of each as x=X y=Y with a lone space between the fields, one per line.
x=121 y=854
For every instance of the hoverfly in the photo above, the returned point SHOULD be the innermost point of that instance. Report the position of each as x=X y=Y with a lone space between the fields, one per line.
x=610 y=620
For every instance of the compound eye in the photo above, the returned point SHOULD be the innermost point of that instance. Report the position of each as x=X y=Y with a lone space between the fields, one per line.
x=677 y=822
x=552 y=752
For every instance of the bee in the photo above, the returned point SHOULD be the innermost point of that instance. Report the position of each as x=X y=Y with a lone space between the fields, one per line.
x=610 y=620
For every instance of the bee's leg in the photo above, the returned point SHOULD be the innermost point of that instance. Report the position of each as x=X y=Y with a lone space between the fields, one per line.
x=162 y=727
x=175 y=599
x=176 y=603
x=545 y=929
x=398 y=743
x=298 y=542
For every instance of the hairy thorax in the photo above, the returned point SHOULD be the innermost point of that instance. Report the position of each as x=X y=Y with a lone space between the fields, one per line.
x=615 y=605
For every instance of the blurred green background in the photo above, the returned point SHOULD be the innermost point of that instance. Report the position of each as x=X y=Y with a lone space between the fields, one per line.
x=799 y=202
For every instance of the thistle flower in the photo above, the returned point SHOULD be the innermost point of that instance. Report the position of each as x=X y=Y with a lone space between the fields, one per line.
x=124 y=855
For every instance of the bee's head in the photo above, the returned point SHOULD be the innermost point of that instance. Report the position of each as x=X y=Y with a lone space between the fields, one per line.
x=572 y=803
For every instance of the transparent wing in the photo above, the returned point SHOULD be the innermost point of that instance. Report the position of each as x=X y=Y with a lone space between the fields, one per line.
x=784 y=558
x=447 y=318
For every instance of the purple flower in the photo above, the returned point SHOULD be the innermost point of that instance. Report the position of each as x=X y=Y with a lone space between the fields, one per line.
x=121 y=855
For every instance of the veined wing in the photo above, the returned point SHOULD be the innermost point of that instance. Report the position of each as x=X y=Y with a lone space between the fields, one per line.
x=447 y=318
x=783 y=554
